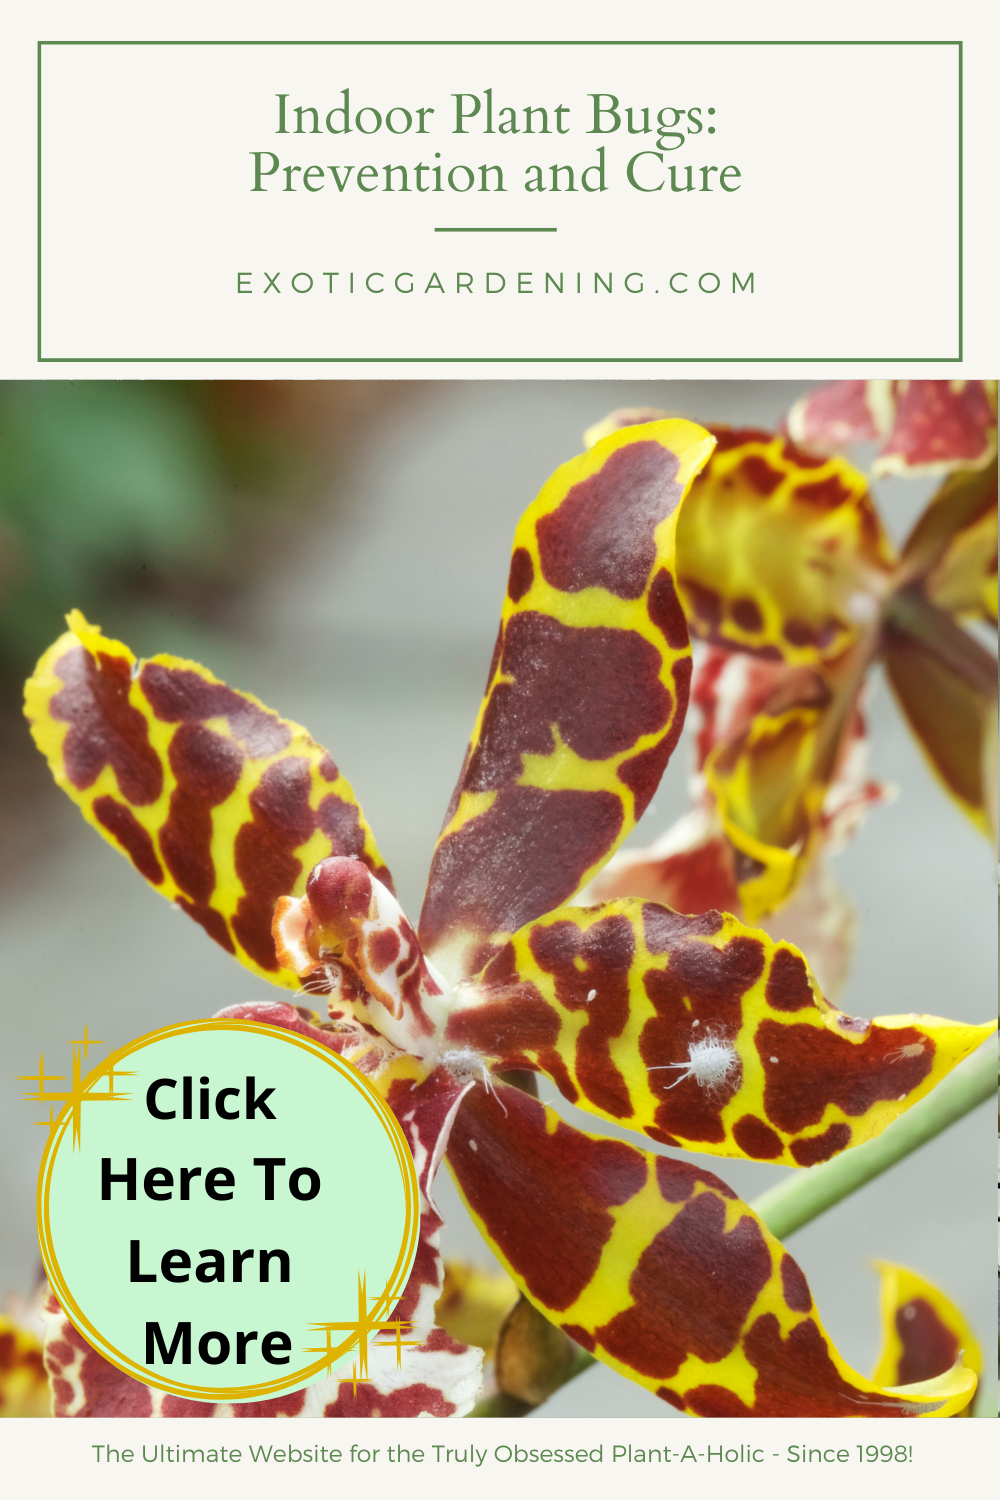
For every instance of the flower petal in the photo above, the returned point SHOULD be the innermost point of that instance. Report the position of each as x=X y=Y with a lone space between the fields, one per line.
x=771 y=779
x=691 y=869
x=841 y=414
x=784 y=751
x=220 y=804
x=923 y=1332
x=780 y=553
x=700 y=1032
x=928 y=426
x=940 y=426
x=951 y=712
x=693 y=866
x=585 y=697
x=659 y=1270
x=775 y=832
x=953 y=547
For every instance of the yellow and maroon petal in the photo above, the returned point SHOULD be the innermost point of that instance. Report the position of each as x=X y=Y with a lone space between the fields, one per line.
x=772 y=779
x=780 y=553
x=585 y=698
x=659 y=1270
x=223 y=806
x=783 y=752
x=923 y=1333
x=940 y=426
x=691 y=869
x=699 y=1031
x=779 y=809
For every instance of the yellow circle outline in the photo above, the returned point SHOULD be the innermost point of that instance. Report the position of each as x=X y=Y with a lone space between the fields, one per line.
x=388 y=1298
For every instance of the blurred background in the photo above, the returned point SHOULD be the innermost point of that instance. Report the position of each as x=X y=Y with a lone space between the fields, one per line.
x=341 y=550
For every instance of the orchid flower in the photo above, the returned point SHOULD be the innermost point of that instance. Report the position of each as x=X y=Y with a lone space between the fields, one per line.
x=782 y=559
x=696 y=1032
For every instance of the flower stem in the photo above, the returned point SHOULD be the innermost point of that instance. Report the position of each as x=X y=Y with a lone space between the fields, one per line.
x=804 y=1195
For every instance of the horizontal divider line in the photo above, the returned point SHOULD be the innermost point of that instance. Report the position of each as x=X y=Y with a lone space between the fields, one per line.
x=498 y=359
x=494 y=229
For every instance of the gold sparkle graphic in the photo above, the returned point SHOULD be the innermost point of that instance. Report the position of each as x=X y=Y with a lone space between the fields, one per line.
x=76 y=1095
x=362 y=1329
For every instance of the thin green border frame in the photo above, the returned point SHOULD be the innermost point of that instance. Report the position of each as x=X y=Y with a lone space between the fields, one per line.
x=447 y=359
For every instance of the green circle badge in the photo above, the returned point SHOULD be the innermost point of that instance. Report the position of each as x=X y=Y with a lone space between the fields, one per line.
x=226 y=1210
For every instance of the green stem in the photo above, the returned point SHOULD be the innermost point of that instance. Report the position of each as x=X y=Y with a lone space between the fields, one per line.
x=804 y=1195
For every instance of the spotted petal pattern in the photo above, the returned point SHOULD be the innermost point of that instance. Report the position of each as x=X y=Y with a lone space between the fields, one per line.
x=780 y=553
x=585 y=698
x=693 y=866
x=923 y=1332
x=771 y=779
x=782 y=756
x=691 y=870
x=660 y=1271
x=219 y=803
x=701 y=1032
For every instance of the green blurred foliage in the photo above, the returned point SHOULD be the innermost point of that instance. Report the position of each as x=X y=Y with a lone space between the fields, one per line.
x=143 y=500
x=145 y=493
x=96 y=478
